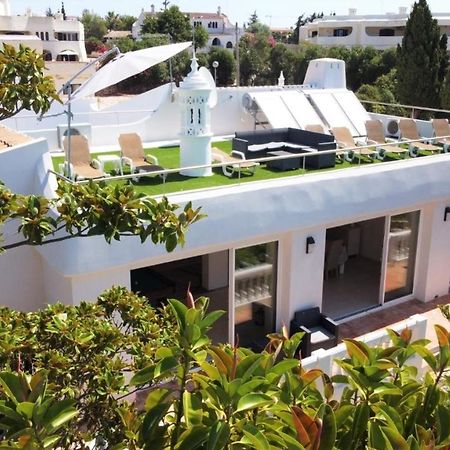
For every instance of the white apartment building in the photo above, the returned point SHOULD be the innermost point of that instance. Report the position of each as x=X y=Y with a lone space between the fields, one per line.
x=222 y=33
x=57 y=38
x=379 y=31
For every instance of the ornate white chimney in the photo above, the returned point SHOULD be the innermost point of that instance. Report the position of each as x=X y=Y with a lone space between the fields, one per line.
x=219 y=10
x=195 y=137
x=352 y=11
x=152 y=9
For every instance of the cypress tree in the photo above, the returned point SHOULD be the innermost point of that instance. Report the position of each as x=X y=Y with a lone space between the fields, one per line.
x=421 y=59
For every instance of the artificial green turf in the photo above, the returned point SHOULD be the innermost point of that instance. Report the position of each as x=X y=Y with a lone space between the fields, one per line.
x=168 y=157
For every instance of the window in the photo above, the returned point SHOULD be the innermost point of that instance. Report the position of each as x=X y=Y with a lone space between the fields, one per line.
x=46 y=35
x=314 y=33
x=255 y=276
x=386 y=32
x=229 y=44
x=340 y=32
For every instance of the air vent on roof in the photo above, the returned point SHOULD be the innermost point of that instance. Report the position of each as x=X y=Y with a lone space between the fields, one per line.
x=392 y=128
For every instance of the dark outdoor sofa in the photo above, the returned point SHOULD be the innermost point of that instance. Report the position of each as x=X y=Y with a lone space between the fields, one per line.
x=256 y=144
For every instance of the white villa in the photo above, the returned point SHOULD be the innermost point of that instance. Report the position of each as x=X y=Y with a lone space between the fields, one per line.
x=222 y=33
x=263 y=252
x=379 y=31
x=56 y=38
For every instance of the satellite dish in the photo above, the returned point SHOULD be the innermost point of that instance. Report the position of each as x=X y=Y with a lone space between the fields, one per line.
x=206 y=74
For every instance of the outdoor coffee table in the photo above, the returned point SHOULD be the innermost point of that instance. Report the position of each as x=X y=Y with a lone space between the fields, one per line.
x=284 y=164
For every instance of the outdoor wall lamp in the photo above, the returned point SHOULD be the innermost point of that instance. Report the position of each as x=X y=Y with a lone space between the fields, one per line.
x=446 y=211
x=310 y=244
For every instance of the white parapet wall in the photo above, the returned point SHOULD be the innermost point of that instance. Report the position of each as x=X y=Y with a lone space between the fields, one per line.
x=326 y=359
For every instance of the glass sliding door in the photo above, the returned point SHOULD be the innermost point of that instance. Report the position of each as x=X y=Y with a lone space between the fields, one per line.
x=255 y=275
x=401 y=255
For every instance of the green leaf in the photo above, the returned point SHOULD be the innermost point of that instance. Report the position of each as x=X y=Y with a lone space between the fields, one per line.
x=143 y=376
x=219 y=436
x=25 y=408
x=164 y=367
x=443 y=423
x=328 y=432
x=343 y=414
x=360 y=421
x=179 y=311
x=255 y=438
x=15 y=386
x=150 y=424
x=284 y=366
x=192 y=438
x=357 y=350
x=58 y=414
x=395 y=438
x=252 y=401
x=192 y=406
x=155 y=397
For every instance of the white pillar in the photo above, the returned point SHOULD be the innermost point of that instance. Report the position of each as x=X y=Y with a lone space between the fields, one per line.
x=195 y=136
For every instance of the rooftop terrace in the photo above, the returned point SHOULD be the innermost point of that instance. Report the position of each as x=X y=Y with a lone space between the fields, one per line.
x=168 y=157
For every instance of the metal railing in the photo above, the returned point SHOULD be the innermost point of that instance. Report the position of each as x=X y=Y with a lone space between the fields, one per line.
x=411 y=107
x=357 y=150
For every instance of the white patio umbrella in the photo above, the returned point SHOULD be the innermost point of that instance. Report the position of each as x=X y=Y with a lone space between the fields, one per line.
x=126 y=65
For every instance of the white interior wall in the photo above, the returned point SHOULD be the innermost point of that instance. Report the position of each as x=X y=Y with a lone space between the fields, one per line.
x=215 y=270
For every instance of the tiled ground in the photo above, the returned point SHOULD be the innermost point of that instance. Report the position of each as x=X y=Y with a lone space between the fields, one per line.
x=389 y=316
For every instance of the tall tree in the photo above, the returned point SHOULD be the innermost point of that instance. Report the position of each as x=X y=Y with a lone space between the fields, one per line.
x=294 y=38
x=226 y=69
x=201 y=37
x=253 y=19
x=170 y=21
x=94 y=25
x=112 y=20
x=421 y=59
x=126 y=22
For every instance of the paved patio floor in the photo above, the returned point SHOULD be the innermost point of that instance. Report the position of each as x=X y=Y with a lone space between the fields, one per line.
x=389 y=316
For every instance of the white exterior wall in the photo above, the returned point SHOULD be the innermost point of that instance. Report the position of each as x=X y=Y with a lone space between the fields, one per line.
x=22 y=283
x=359 y=23
x=30 y=25
x=327 y=200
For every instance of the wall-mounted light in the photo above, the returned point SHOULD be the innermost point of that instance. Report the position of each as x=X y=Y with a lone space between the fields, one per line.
x=446 y=212
x=310 y=243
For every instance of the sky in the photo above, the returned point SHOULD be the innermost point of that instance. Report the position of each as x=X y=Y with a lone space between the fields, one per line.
x=281 y=13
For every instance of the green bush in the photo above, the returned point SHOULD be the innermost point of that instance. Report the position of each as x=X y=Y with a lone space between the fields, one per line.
x=202 y=396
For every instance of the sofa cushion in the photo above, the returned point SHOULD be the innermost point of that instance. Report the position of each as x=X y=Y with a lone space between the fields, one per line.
x=320 y=334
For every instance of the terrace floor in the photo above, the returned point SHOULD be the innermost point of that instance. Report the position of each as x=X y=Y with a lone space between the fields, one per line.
x=168 y=157
x=388 y=317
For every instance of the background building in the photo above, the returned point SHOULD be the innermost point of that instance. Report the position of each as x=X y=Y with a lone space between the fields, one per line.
x=222 y=33
x=58 y=38
x=379 y=31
